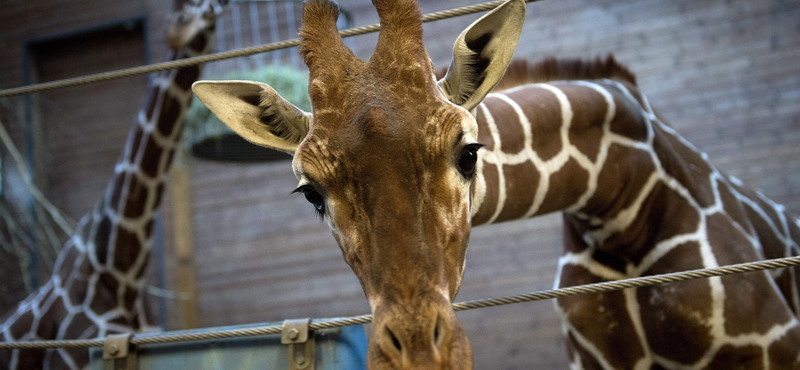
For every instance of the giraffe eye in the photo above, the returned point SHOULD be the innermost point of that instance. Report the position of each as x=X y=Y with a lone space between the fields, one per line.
x=313 y=197
x=466 y=163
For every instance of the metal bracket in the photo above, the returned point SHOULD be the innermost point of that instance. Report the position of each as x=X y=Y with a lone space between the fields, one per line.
x=118 y=353
x=301 y=343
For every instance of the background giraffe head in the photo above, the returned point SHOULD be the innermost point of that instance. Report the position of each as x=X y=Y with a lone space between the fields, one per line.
x=196 y=17
x=387 y=159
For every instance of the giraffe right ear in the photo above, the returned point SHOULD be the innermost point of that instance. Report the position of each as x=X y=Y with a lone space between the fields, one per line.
x=256 y=112
x=481 y=54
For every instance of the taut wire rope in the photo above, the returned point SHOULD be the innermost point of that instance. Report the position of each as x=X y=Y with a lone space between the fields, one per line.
x=155 y=67
x=330 y=323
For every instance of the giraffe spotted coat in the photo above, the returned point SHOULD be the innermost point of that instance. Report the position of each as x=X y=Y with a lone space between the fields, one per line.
x=638 y=199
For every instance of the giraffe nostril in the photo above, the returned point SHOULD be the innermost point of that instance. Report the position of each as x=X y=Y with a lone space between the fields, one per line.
x=395 y=341
x=437 y=332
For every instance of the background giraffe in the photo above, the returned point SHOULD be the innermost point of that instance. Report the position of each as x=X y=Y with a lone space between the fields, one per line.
x=638 y=199
x=97 y=284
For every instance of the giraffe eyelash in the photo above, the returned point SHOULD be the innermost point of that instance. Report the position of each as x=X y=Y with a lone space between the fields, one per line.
x=314 y=197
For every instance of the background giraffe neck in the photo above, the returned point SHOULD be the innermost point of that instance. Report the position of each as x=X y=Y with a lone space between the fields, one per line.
x=124 y=217
x=532 y=163
x=597 y=151
x=97 y=280
x=639 y=200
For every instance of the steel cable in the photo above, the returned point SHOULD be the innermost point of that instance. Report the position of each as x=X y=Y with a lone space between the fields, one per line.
x=331 y=323
x=150 y=68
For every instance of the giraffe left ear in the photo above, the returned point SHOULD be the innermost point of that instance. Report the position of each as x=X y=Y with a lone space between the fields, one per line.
x=481 y=54
x=256 y=112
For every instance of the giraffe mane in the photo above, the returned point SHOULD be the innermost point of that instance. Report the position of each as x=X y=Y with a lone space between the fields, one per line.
x=520 y=72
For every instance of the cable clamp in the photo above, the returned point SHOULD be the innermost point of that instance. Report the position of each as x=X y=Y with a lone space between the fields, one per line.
x=300 y=338
x=118 y=354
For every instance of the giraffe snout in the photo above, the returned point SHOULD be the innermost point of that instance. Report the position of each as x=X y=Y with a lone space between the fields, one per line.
x=417 y=338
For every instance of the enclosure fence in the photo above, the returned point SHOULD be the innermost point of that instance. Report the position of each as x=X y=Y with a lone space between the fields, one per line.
x=330 y=323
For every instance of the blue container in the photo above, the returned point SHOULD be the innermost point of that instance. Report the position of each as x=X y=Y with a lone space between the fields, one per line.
x=341 y=349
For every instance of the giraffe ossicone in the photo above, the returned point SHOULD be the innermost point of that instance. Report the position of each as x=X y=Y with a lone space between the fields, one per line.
x=388 y=158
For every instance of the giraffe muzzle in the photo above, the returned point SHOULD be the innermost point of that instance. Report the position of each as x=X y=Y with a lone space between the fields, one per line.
x=418 y=335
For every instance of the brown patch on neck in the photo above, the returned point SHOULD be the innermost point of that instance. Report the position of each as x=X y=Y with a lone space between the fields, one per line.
x=101 y=238
x=127 y=250
x=596 y=325
x=186 y=76
x=171 y=110
x=105 y=297
x=678 y=312
x=731 y=356
x=151 y=159
x=199 y=43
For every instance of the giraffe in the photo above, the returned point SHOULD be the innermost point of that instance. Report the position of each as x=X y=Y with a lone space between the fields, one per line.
x=97 y=284
x=637 y=199
x=401 y=166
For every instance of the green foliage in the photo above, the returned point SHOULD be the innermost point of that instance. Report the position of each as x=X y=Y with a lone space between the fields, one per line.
x=290 y=82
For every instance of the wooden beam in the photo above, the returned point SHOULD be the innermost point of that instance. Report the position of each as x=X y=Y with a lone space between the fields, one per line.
x=184 y=245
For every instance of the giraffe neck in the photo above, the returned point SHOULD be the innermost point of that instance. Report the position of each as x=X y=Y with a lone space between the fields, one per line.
x=597 y=152
x=638 y=199
x=546 y=147
x=125 y=215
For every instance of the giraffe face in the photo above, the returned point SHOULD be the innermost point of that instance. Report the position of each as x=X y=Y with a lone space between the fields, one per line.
x=393 y=185
x=387 y=159
x=393 y=179
x=193 y=20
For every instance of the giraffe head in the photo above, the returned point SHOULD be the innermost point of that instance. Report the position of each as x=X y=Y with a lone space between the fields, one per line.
x=195 y=18
x=387 y=159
